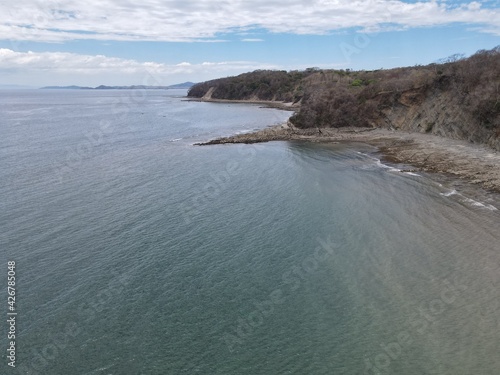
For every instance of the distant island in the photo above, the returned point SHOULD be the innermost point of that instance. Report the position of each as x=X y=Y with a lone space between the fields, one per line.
x=184 y=85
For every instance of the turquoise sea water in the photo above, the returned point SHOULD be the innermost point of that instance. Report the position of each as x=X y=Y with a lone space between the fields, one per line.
x=139 y=253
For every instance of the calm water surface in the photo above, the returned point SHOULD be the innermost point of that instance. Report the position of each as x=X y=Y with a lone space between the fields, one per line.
x=139 y=253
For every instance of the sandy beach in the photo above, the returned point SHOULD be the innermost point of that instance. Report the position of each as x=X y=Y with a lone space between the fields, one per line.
x=476 y=164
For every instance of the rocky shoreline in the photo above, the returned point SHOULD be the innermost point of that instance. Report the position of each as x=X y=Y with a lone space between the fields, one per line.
x=265 y=103
x=476 y=164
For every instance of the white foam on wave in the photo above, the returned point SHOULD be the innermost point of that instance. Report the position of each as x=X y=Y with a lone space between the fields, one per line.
x=469 y=201
x=473 y=202
x=480 y=204
x=379 y=164
x=385 y=166
x=175 y=140
x=449 y=193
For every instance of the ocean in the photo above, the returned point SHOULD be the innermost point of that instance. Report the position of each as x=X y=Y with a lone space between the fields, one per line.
x=137 y=252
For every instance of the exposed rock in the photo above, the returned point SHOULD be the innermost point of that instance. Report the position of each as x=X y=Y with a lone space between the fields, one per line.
x=426 y=152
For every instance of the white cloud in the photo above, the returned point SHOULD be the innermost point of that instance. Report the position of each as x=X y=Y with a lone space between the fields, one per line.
x=46 y=68
x=252 y=40
x=189 y=20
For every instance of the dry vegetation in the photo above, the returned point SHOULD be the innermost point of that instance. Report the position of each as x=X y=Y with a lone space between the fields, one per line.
x=458 y=97
x=276 y=85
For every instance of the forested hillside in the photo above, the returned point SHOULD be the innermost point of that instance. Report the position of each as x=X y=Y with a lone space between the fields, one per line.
x=458 y=98
x=275 y=85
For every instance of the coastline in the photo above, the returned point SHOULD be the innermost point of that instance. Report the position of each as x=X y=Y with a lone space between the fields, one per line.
x=476 y=164
x=265 y=103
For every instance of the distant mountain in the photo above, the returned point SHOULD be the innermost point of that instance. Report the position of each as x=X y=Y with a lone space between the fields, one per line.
x=134 y=87
x=73 y=87
x=185 y=85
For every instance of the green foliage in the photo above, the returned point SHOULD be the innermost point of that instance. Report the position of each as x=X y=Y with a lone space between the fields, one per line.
x=357 y=82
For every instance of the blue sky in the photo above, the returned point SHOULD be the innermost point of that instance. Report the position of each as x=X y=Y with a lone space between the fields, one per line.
x=169 y=41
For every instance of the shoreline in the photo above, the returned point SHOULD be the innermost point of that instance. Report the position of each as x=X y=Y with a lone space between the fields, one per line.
x=265 y=103
x=476 y=164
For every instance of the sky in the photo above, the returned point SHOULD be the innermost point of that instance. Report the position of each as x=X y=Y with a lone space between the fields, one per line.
x=163 y=42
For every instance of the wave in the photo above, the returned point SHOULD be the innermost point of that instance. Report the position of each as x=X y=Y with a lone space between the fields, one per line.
x=449 y=193
x=469 y=201
x=389 y=168
x=479 y=204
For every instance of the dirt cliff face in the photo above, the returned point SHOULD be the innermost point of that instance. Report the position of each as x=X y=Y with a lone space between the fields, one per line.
x=438 y=113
